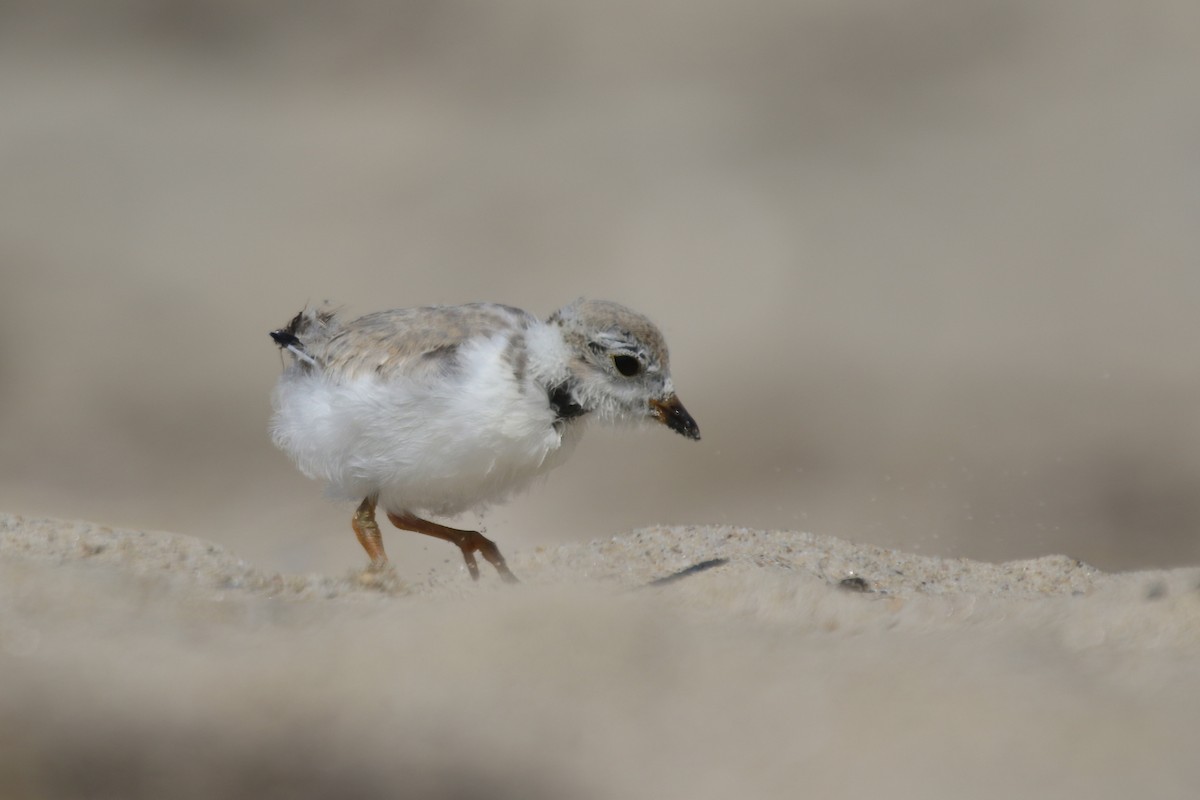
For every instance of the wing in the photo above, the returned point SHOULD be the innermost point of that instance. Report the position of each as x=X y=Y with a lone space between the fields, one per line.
x=414 y=342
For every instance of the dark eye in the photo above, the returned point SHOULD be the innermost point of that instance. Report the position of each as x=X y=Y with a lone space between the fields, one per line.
x=627 y=365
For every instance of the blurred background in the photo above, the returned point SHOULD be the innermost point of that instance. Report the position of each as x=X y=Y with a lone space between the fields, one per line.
x=929 y=270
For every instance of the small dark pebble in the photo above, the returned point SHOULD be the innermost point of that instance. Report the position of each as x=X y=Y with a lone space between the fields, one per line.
x=854 y=584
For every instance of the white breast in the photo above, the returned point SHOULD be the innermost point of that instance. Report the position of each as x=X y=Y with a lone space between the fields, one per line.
x=438 y=446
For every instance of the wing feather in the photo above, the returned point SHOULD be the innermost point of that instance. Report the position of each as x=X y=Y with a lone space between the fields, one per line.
x=413 y=342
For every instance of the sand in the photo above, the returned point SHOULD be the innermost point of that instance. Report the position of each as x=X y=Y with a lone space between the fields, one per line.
x=928 y=274
x=146 y=664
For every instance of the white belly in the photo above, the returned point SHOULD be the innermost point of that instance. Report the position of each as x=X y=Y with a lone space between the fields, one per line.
x=438 y=446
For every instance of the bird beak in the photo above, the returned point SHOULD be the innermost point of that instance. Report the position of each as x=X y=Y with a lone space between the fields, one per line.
x=670 y=412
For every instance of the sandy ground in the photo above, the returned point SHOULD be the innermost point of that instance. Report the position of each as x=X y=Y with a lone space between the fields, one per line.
x=139 y=664
x=928 y=272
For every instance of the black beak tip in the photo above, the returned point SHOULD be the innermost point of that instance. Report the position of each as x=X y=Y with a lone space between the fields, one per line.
x=675 y=416
x=688 y=428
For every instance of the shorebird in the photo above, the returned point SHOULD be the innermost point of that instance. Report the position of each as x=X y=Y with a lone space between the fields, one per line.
x=437 y=410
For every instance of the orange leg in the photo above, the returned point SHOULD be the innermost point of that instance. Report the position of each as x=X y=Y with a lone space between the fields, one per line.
x=468 y=541
x=368 y=532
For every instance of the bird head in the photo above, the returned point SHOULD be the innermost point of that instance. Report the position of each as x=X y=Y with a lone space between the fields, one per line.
x=620 y=369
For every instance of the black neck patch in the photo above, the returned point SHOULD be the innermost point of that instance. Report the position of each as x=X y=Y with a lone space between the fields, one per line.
x=563 y=403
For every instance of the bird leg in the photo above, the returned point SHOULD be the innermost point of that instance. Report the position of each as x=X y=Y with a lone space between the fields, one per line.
x=368 y=532
x=468 y=541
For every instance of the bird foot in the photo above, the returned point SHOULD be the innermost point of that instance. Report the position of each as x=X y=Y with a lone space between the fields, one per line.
x=469 y=542
x=379 y=577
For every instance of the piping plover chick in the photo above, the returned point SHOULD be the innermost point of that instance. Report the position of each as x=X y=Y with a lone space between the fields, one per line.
x=438 y=410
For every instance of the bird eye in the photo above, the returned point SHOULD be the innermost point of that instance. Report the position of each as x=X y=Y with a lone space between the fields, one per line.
x=626 y=365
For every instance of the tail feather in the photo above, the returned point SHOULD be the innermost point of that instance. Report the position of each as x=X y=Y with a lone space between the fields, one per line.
x=291 y=336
